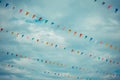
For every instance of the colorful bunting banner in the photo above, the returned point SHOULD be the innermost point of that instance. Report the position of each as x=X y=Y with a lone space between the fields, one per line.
x=59 y=46
x=69 y=30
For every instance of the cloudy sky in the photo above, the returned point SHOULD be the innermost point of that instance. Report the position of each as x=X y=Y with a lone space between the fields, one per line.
x=71 y=57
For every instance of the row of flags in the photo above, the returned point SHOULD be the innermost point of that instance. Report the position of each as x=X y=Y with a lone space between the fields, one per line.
x=79 y=52
x=75 y=33
x=78 y=68
x=55 y=74
x=59 y=74
x=109 y=6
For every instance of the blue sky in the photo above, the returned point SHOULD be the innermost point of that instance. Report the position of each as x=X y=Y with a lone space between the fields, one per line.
x=90 y=18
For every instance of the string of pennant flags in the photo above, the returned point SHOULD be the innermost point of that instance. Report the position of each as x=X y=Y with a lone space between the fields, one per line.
x=109 y=6
x=91 y=55
x=75 y=33
x=81 y=35
x=66 y=75
x=55 y=63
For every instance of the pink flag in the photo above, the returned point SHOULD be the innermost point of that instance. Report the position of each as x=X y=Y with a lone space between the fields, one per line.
x=20 y=10
x=109 y=6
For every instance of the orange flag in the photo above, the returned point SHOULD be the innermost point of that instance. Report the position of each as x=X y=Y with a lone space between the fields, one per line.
x=110 y=46
x=26 y=13
x=33 y=16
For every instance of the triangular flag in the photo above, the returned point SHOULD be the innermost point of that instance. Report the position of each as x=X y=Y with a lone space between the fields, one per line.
x=85 y=37
x=69 y=30
x=91 y=39
x=52 y=23
x=22 y=35
x=37 y=40
x=46 y=21
x=40 y=18
x=103 y=3
x=6 y=4
x=13 y=7
x=81 y=34
x=63 y=28
x=1 y=29
x=56 y=45
x=33 y=16
x=95 y=0
x=27 y=13
x=109 y=6
x=116 y=10
x=110 y=46
x=75 y=33
x=20 y=10
x=106 y=44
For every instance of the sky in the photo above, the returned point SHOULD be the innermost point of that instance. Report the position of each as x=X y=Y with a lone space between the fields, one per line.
x=30 y=55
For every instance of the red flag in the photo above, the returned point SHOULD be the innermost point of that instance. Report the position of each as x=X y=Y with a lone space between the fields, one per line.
x=75 y=33
x=81 y=35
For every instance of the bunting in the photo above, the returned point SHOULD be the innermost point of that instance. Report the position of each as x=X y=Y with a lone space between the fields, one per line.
x=59 y=46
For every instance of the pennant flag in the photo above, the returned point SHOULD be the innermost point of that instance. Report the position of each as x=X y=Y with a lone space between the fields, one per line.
x=1 y=29
x=101 y=42
x=56 y=45
x=102 y=58
x=52 y=23
x=81 y=35
x=27 y=37
x=91 y=39
x=72 y=50
x=64 y=48
x=116 y=10
x=46 y=21
x=16 y=55
x=13 y=7
x=85 y=37
x=26 y=13
x=103 y=3
x=110 y=46
x=110 y=61
x=12 y=32
x=33 y=38
x=98 y=58
x=69 y=30
x=106 y=44
x=7 y=53
x=47 y=43
x=75 y=33
x=6 y=31
x=6 y=4
x=20 y=10
x=17 y=34
x=82 y=53
x=78 y=52
x=40 y=18
x=106 y=60
x=22 y=35
x=37 y=40
x=63 y=28
x=109 y=6
x=33 y=16
x=51 y=44
x=95 y=0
